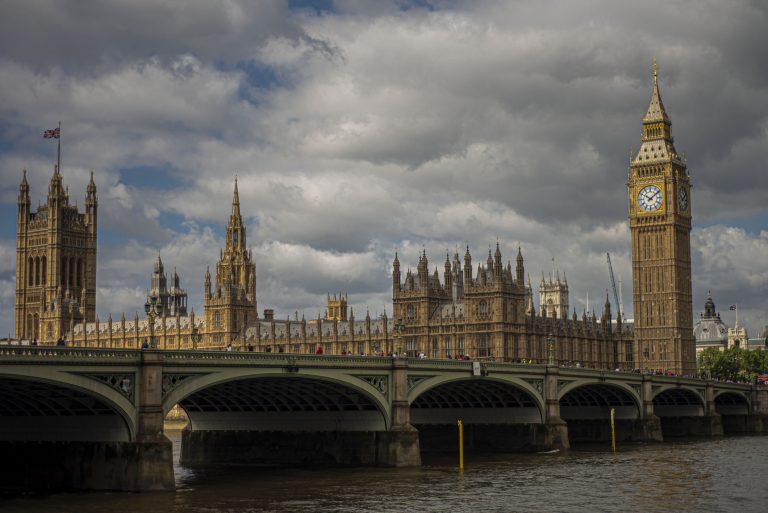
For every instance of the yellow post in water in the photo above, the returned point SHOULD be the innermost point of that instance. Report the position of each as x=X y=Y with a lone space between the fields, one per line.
x=461 y=446
x=613 y=429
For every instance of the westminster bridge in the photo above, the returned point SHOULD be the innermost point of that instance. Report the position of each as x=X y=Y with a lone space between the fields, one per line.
x=80 y=418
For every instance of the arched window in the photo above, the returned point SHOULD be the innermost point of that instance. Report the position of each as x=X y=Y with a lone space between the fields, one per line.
x=410 y=312
x=72 y=264
x=45 y=269
x=483 y=308
x=217 y=319
x=63 y=272
x=79 y=273
x=30 y=271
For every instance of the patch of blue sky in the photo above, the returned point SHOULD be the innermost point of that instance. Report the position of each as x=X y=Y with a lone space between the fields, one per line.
x=317 y=6
x=171 y=220
x=8 y=214
x=154 y=177
x=8 y=132
x=110 y=238
x=752 y=224
x=261 y=77
x=416 y=4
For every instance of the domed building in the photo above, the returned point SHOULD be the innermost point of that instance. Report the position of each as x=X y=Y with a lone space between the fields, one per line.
x=710 y=330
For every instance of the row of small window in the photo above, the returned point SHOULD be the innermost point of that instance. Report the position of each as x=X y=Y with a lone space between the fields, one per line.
x=483 y=347
x=410 y=310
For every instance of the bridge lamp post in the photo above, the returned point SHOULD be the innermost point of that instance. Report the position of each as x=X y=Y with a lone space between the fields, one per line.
x=152 y=308
x=195 y=336
x=399 y=328
x=551 y=349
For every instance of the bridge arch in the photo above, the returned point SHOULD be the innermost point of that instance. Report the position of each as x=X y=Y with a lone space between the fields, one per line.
x=84 y=408
x=678 y=401
x=271 y=399
x=486 y=400
x=731 y=403
x=594 y=400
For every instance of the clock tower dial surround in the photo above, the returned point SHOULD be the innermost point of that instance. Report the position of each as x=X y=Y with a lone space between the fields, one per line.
x=660 y=225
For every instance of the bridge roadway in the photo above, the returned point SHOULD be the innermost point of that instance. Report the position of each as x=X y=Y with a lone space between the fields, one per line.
x=87 y=418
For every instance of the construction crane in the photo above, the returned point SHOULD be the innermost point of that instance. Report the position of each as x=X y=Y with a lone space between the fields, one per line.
x=613 y=283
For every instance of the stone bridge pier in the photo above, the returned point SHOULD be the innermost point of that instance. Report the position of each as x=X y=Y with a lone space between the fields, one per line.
x=94 y=424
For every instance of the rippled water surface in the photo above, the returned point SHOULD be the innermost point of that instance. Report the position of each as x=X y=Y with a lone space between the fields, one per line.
x=727 y=474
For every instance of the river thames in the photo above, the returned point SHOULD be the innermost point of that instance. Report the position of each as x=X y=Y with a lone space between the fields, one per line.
x=714 y=475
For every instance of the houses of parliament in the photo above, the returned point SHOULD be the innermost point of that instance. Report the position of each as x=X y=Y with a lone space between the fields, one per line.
x=484 y=310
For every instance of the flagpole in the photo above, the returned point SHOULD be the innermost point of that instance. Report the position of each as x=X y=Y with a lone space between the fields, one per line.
x=58 y=156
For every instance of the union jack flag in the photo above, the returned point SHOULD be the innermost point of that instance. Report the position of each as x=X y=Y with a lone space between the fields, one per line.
x=732 y=307
x=52 y=134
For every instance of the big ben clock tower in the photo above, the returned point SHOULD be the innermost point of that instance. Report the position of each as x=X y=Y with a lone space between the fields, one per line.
x=660 y=224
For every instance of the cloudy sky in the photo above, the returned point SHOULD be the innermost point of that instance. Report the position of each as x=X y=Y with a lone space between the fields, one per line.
x=359 y=127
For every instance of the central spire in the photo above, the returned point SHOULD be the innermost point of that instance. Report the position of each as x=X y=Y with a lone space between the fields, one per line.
x=657 y=141
x=236 y=201
x=656 y=111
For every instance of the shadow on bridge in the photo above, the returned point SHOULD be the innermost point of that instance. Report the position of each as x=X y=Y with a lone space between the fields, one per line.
x=497 y=416
x=282 y=420
x=47 y=431
x=734 y=411
x=586 y=409
x=43 y=412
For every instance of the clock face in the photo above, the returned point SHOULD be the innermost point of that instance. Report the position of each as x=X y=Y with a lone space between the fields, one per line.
x=682 y=198
x=649 y=198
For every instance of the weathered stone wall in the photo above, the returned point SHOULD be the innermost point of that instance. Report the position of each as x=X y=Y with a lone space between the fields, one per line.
x=708 y=425
x=481 y=438
x=291 y=448
x=44 y=467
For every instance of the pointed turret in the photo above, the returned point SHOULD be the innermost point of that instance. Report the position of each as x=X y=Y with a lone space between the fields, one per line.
x=520 y=268
x=658 y=143
x=235 y=227
x=656 y=111
x=159 y=264
x=56 y=193
x=606 y=318
x=90 y=191
x=395 y=275
x=447 y=272
x=24 y=188
x=91 y=206
x=236 y=201
x=23 y=203
x=207 y=288
x=422 y=269
x=497 y=260
x=467 y=268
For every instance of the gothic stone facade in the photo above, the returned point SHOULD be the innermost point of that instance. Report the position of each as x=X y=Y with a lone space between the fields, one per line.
x=660 y=223
x=55 y=262
x=489 y=314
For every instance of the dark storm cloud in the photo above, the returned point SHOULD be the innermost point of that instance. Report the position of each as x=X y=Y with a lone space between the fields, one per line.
x=87 y=37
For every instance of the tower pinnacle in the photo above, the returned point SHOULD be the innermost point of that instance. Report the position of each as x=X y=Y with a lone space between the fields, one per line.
x=236 y=201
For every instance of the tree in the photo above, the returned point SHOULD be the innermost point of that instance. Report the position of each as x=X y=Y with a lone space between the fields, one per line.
x=734 y=364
